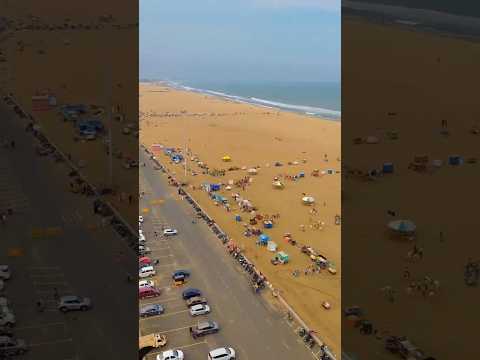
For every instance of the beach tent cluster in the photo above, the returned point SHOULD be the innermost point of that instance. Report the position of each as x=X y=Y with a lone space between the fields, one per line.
x=87 y=125
x=174 y=156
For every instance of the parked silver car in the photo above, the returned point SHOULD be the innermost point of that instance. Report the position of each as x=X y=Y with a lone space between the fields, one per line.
x=71 y=302
x=12 y=346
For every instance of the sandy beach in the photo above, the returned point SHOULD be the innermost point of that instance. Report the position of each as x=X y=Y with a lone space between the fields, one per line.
x=421 y=87
x=259 y=137
x=72 y=54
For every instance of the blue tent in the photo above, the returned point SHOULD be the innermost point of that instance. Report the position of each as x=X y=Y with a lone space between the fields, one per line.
x=263 y=238
x=214 y=187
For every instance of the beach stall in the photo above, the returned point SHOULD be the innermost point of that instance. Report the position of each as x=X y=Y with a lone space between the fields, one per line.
x=263 y=239
x=308 y=200
x=402 y=227
x=387 y=168
x=272 y=246
x=278 y=185
x=282 y=257
x=226 y=158
x=267 y=224
x=214 y=187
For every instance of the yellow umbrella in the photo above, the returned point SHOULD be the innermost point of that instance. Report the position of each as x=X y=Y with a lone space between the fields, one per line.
x=226 y=158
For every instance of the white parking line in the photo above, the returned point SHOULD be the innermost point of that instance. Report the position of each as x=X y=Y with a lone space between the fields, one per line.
x=179 y=347
x=164 y=256
x=40 y=326
x=63 y=283
x=151 y=301
x=164 y=315
x=44 y=267
x=51 y=342
x=174 y=330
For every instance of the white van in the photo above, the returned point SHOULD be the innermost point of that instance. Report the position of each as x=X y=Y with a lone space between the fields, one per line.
x=146 y=271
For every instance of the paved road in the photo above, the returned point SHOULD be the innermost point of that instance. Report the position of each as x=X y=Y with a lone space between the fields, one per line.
x=57 y=247
x=248 y=323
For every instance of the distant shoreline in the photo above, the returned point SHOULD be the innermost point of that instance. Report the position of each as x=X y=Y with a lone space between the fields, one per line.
x=414 y=19
x=311 y=111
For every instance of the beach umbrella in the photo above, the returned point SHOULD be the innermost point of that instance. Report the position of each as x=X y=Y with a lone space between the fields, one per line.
x=226 y=158
x=402 y=226
x=264 y=238
x=252 y=171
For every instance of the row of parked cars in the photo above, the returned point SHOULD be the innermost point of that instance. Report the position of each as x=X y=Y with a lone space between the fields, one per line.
x=196 y=303
x=10 y=345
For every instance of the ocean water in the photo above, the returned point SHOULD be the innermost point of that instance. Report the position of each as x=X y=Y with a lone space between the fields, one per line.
x=320 y=99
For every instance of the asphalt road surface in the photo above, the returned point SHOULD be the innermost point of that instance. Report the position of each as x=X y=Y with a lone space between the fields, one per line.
x=248 y=323
x=54 y=241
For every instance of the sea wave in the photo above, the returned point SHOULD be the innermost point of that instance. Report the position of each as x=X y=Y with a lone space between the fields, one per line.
x=307 y=110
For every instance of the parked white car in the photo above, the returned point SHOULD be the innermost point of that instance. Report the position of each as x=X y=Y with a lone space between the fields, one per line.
x=7 y=319
x=146 y=283
x=140 y=219
x=170 y=232
x=171 y=355
x=5 y=272
x=223 y=353
x=200 y=309
x=146 y=271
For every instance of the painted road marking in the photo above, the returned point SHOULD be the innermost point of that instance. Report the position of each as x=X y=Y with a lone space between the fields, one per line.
x=164 y=315
x=175 y=330
x=40 y=326
x=52 y=342
x=179 y=347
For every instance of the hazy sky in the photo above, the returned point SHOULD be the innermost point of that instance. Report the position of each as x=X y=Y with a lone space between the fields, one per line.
x=234 y=40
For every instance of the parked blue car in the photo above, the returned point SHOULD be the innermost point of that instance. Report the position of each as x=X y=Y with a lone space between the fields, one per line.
x=190 y=292
x=151 y=310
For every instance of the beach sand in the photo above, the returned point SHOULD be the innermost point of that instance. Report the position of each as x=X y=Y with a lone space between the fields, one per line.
x=424 y=78
x=257 y=136
x=73 y=67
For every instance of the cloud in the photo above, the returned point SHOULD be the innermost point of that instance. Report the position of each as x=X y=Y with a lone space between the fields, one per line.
x=328 y=5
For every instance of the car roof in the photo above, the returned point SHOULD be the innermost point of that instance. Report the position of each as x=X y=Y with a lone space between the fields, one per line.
x=205 y=324
x=190 y=290
x=145 y=268
x=219 y=351
x=198 y=306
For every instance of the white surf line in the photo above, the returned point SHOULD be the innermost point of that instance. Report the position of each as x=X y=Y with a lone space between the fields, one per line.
x=51 y=342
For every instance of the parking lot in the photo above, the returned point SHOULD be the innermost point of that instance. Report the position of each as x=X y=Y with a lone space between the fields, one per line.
x=176 y=320
x=54 y=247
x=250 y=325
